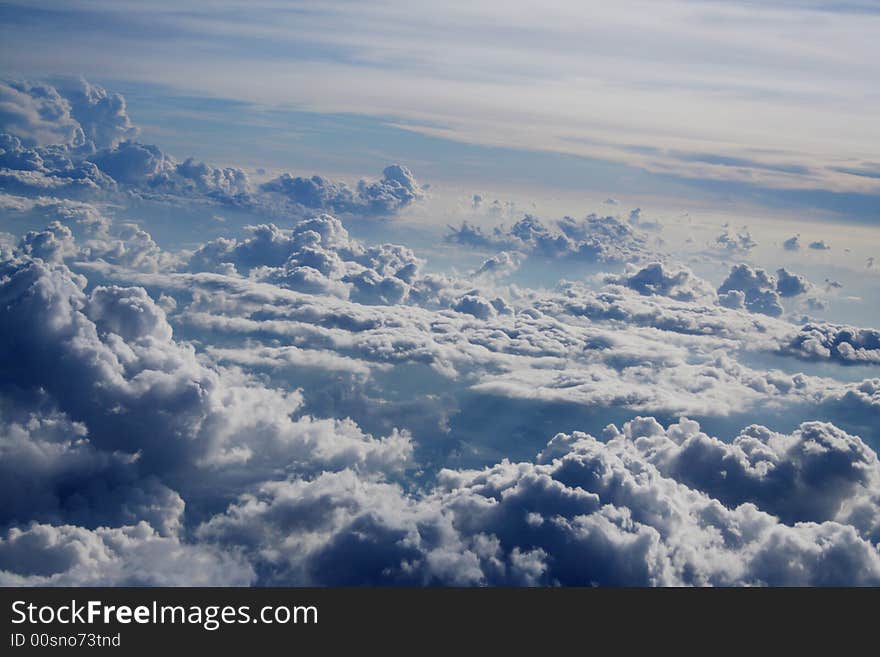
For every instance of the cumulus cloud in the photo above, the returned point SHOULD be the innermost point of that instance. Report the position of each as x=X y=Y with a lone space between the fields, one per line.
x=286 y=404
x=501 y=264
x=38 y=115
x=102 y=116
x=593 y=238
x=735 y=243
x=846 y=344
x=820 y=245
x=53 y=169
x=387 y=196
x=818 y=473
x=793 y=243
x=585 y=512
x=316 y=256
x=132 y=162
x=758 y=291
x=753 y=289
x=77 y=116
x=657 y=278
x=65 y=555
x=153 y=172
x=789 y=284
x=77 y=139
x=109 y=360
x=646 y=505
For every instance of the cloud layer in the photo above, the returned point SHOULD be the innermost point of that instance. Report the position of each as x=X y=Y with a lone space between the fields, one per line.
x=283 y=403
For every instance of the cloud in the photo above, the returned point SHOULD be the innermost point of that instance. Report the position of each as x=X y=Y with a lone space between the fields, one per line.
x=131 y=162
x=815 y=474
x=593 y=238
x=38 y=115
x=534 y=347
x=585 y=512
x=316 y=256
x=51 y=169
x=53 y=244
x=287 y=404
x=64 y=555
x=501 y=264
x=227 y=183
x=792 y=243
x=318 y=501
x=77 y=138
x=102 y=115
x=737 y=243
x=791 y=285
x=52 y=472
x=819 y=245
x=760 y=292
x=845 y=344
x=655 y=278
x=753 y=289
x=637 y=219
x=396 y=190
x=80 y=116
x=109 y=360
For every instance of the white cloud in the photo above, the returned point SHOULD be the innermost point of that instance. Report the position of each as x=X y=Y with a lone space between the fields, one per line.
x=64 y=555
x=655 y=278
x=586 y=512
x=287 y=404
x=396 y=190
x=593 y=238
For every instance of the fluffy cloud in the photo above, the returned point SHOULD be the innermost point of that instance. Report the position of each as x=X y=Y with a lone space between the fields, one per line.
x=845 y=344
x=760 y=292
x=593 y=238
x=37 y=170
x=790 y=285
x=396 y=190
x=155 y=173
x=316 y=256
x=586 y=512
x=52 y=472
x=77 y=139
x=102 y=115
x=80 y=116
x=735 y=243
x=655 y=278
x=753 y=289
x=500 y=264
x=39 y=115
x=132 y=162
x=815 y=474
x=109 y=360
x=311 y=500
x=65 y=555
x=287 y=404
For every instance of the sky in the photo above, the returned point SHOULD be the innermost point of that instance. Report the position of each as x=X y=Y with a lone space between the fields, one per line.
x=472 y=294
x=767 y=95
